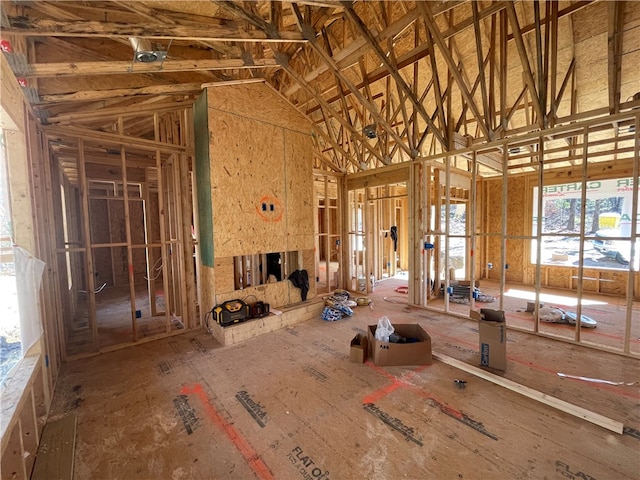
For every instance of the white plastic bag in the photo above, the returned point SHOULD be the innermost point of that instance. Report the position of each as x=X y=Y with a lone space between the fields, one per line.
x=384 y=329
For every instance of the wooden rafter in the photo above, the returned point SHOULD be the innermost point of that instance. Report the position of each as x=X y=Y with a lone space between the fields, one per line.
x=355 y=91
x=393 y=70
x=437 y=90
x=440 y=41
x=526 y=67
x=284 y=62
x=481 y=66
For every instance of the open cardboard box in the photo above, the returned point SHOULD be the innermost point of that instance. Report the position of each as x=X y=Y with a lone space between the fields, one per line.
x=493 y=338
x=394 y=354
x=359 y=348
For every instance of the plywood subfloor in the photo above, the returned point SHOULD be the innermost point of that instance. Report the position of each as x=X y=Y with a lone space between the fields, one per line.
x=290 y=405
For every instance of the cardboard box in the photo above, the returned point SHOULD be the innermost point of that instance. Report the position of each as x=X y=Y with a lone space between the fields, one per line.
x=394 y=354
x=493 y=338
x=359 y=348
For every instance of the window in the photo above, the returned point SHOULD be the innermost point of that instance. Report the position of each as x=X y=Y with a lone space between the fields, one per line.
x=607 y=224
x=10 y=338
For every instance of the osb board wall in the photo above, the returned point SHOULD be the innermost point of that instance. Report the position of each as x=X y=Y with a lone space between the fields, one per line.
x=98 y=211
x=224 y=274
x=154 y=217
x=609 y=282
x=517 y=225
x=492 y=223
x=136 y=221
x=258 y=102
x=247 y=186
x=308 y=263
x=261 y=175
x=299 y=191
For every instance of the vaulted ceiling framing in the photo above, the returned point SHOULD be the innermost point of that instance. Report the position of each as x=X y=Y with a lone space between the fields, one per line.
x=383 y=82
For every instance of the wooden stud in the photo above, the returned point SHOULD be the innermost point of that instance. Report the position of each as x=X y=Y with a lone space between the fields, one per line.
x=90 y=278
x=163 y=227
x=127 y=227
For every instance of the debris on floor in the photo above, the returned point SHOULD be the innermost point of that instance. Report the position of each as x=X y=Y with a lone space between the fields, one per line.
x=460 y=293
x=558 y=315
x=340 y=304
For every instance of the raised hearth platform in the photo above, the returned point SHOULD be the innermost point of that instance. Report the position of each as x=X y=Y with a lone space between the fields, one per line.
x=277 y=319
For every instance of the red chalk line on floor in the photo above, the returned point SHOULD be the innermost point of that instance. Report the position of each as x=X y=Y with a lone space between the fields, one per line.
x=244 y=447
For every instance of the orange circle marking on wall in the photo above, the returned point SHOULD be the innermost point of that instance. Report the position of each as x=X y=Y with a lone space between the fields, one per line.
x=270 y=209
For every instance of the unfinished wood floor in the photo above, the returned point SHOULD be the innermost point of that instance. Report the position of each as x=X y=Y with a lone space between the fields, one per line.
x=290 y=405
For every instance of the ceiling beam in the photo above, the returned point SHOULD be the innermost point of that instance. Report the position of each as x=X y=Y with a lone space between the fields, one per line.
x=105 y=138
x=40 y=70
x=76 y=28
x=152 y=14
x=135 y=110
x=91 y=95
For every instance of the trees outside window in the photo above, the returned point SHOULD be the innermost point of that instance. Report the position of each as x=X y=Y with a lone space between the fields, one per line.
x=607 y=223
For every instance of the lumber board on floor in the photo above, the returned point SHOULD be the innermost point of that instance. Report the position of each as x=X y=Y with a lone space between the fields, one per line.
x=56 y=451
x=566 y=407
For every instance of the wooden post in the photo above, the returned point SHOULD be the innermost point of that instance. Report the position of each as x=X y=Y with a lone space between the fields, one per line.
x=150 y=260
x=127 y=228
x=471 y=227
x=185 y=245
x=416 y=288
x=503 y=233
x=540 y=215
x=635 y=211
x=91 y=286
x=163 y=232
x=583 y=211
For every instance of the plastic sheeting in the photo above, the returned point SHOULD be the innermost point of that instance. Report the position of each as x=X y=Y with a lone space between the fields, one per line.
x=29 y=271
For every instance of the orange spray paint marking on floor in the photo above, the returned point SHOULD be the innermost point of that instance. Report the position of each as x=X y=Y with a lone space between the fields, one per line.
x=243 y=446
x=394 y=385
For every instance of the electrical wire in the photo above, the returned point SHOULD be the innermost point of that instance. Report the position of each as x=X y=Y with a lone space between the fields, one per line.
x=207 y=317
x=158 y=269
